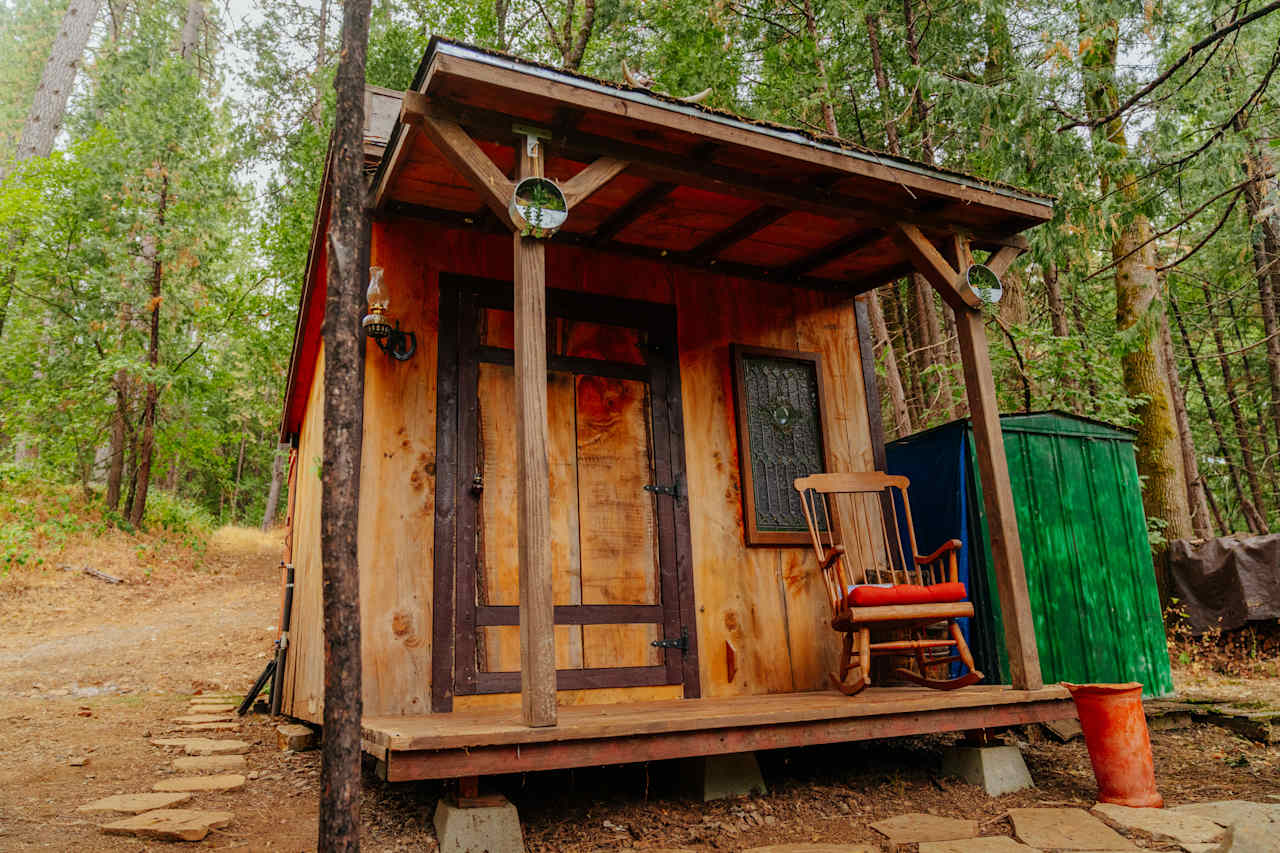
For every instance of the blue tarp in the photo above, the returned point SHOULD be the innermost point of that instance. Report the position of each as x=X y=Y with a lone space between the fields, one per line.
x=936 y=462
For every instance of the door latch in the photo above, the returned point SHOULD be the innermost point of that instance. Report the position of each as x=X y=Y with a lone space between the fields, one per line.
x=682 y=644
x=672 y=490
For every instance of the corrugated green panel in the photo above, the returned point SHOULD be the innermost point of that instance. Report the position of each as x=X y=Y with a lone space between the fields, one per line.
x=1084 y=545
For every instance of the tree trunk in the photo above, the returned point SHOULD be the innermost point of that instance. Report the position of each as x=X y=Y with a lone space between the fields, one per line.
x=918 y=102
x=277 y=481
x=1057 y=311
x=892 y=142
x=828 y=109
x=1137 y=303
x=235 y=489
x=146 y=449
x=348 y=246
x=1232 y=474
x=1190 y=465
x=191 y=31
x=49 y=106
x=131 y=471
x=1233 y=406
x=317 y=108
x=1264 y=265
x=115 y=469
x=893 y=379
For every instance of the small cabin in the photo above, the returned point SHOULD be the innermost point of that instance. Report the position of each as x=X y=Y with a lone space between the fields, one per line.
x=680 y=334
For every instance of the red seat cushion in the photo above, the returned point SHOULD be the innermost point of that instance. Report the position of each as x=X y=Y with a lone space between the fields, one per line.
x=907 y=593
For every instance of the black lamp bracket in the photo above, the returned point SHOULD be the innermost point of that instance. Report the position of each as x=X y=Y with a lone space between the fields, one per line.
x=399 y=345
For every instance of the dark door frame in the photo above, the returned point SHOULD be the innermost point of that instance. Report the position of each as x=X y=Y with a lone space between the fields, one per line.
x=456 y=615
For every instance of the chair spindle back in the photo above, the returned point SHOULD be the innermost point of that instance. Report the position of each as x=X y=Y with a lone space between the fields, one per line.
x=855 y=517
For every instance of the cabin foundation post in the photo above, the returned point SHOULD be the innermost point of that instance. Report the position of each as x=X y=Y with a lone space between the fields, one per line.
x=984 y=413
x=537 y=613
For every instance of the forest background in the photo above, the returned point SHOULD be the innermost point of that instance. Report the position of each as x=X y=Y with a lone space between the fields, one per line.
x=160 y=162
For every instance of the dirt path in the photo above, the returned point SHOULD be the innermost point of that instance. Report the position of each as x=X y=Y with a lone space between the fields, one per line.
x=91 y=671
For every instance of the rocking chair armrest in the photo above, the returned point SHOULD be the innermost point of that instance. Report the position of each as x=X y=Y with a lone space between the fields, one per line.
x=837 y=551
x=949 y=545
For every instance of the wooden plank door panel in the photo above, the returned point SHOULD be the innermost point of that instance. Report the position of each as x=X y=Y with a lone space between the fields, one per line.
x=619 y=574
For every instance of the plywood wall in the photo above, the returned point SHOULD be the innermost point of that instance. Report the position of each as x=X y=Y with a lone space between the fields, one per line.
x=766 y=603
x=304 y=663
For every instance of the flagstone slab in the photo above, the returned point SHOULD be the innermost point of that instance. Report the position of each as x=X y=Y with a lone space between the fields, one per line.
x=816 y=848
x=205 y=718
x=209 y=727
x=987 y=844
x=1227 y=812
x=194 y=784
x=188 y=764
x=1065 y=829
x=135 y=803
x=1182 y=827
x=916 y=827
x=170 y=824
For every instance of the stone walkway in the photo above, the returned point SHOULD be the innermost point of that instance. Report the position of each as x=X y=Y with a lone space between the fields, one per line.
x=1232 y=826
x=206 y=765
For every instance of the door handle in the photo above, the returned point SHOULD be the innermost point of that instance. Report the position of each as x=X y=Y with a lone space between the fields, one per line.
x=477 y=484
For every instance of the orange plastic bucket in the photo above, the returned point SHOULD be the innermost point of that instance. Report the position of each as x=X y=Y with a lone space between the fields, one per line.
x=1115 y=732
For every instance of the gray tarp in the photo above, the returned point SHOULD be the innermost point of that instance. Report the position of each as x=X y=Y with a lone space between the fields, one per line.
x=1224 y=583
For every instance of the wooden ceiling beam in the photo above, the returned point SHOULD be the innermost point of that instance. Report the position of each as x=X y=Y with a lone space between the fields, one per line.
x=482 y=220
x=846 y=245
x=636 y=207
x=755 y=221
x=697 y=171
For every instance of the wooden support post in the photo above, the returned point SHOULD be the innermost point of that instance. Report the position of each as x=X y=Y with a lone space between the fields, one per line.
x=997 y=499
x=537 y=614
x=997 y=492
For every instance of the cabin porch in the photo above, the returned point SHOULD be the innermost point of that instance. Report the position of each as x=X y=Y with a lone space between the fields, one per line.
x=490 y=742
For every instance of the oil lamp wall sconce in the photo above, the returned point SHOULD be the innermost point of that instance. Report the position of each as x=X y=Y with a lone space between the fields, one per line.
x=379 y=326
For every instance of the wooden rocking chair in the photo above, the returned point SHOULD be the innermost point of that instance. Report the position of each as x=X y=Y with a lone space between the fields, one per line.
x=890 y=590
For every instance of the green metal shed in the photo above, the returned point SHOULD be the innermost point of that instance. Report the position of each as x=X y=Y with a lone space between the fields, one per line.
x=1084 y=543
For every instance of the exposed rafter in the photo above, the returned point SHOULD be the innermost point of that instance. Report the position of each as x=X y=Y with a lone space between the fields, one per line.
x=483 y=221
x=755 y=221
x=694 y=170
x=843 y=247
x=636 y=207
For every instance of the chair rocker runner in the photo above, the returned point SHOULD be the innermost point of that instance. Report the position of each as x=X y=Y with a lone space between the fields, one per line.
x=891 y=589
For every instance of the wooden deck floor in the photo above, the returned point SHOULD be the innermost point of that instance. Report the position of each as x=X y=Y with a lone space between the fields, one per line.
x=442 y=746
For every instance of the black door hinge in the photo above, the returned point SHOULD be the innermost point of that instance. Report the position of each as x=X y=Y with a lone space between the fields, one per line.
x=673 y=490
x=682 y=644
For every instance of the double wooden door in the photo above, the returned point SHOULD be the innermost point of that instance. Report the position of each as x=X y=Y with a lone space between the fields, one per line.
x=619 y=529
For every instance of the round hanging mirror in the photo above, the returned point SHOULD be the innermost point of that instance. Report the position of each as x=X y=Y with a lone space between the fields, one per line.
x=984 y=282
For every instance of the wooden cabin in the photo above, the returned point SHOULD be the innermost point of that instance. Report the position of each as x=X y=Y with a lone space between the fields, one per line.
x=600 y=512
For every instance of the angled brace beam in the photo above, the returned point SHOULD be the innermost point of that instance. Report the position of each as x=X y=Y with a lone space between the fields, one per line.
x=594 y=176
x=462 y=153
x=930 y=263
x=1003 y=259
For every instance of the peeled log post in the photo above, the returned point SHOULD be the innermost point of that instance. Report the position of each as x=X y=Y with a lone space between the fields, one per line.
x=537 y=614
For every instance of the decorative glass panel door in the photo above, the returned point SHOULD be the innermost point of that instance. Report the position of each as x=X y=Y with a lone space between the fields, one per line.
x=614 y=542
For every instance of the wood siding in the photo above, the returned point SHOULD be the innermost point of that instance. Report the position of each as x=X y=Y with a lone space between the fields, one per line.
x=304 y=664
x=767 y=604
